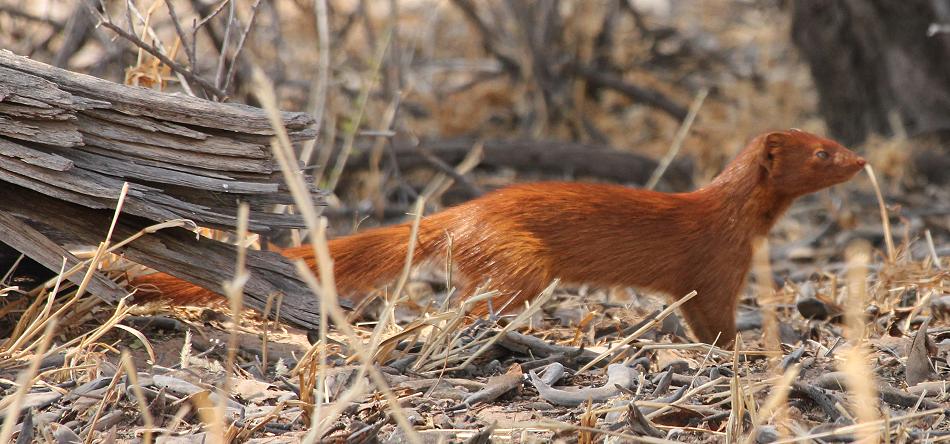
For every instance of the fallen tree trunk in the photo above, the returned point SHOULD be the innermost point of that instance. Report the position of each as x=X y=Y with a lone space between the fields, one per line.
x=68 y=143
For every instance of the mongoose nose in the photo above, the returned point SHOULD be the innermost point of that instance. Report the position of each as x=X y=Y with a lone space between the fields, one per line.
x=861 y=162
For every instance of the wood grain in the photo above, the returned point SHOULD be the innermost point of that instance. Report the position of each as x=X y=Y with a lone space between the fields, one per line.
x=69 y=141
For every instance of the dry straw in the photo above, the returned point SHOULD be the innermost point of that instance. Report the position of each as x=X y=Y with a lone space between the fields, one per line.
x=860 y=377
x=888 y=238
x=24 y=382
x=645 y=328
x=284 y=154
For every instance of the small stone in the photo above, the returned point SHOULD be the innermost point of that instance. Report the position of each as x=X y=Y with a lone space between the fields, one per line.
x=442 y=421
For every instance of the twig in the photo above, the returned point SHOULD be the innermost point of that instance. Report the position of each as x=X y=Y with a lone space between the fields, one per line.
x=213 y=14
x=880 y=425
x=223 y=55
x=496 y=386
x=563 y=426
x=649 y=97
x=361 y=101
x=130 y=8
x=678 y=138
x=362 y=11
x=322 y=81
x=654 y=322
x=472 y=188
x=24 y=381
x=392 y=74
x=237 y=52
x=511 y=64
x=824 y=400
x=151 y=49
x=189 y=48
x=617 y=375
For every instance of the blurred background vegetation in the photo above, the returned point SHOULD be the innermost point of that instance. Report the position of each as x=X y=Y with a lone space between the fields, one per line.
x=393 y=81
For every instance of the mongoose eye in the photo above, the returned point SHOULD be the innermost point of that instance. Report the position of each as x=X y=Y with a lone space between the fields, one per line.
x=823 y=155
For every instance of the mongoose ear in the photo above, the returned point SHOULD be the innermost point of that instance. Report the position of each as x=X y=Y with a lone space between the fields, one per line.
x=772 y=143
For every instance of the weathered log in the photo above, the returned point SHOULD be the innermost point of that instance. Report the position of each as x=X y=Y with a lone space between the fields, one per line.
x=178 y=251
x=68 y=143
x=78 y=138
x=23 y=237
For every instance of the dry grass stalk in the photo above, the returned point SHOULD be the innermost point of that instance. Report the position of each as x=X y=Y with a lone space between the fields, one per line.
x=564 y=427
x=349 y=136
x=774 y=404
x=87 y=341
x=211 y=414
x=283 y=151
x=387 y=322
x=184 y=356
x=88 y=263
x=322 y=80
x=307 y=379
x=138 y=335
x=339 y=319
x=933 y=250
x=234 y=290
x=22 y=331
x=442 y=182
x=737 y=398
x=874 y=427
x=327 y=290
x=176 y=420
x=768 y=301
x=689 y=394
x=214 y=415
x=38 y=322
x=919 y=307
x=263 y=421
x=133 y=377
x=646 y=327
x=588 y=421
x=24 y=382
x=860 y=377
x=519 y=320
x=268 y=306
x=411 y=332
x=447 y=334
x=678 y=139
x=91 y=428
x=888 y=238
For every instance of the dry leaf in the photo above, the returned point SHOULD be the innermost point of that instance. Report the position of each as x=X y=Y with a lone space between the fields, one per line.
x=919 y=367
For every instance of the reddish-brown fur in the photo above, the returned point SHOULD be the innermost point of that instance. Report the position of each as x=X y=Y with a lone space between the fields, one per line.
x=523 y=236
